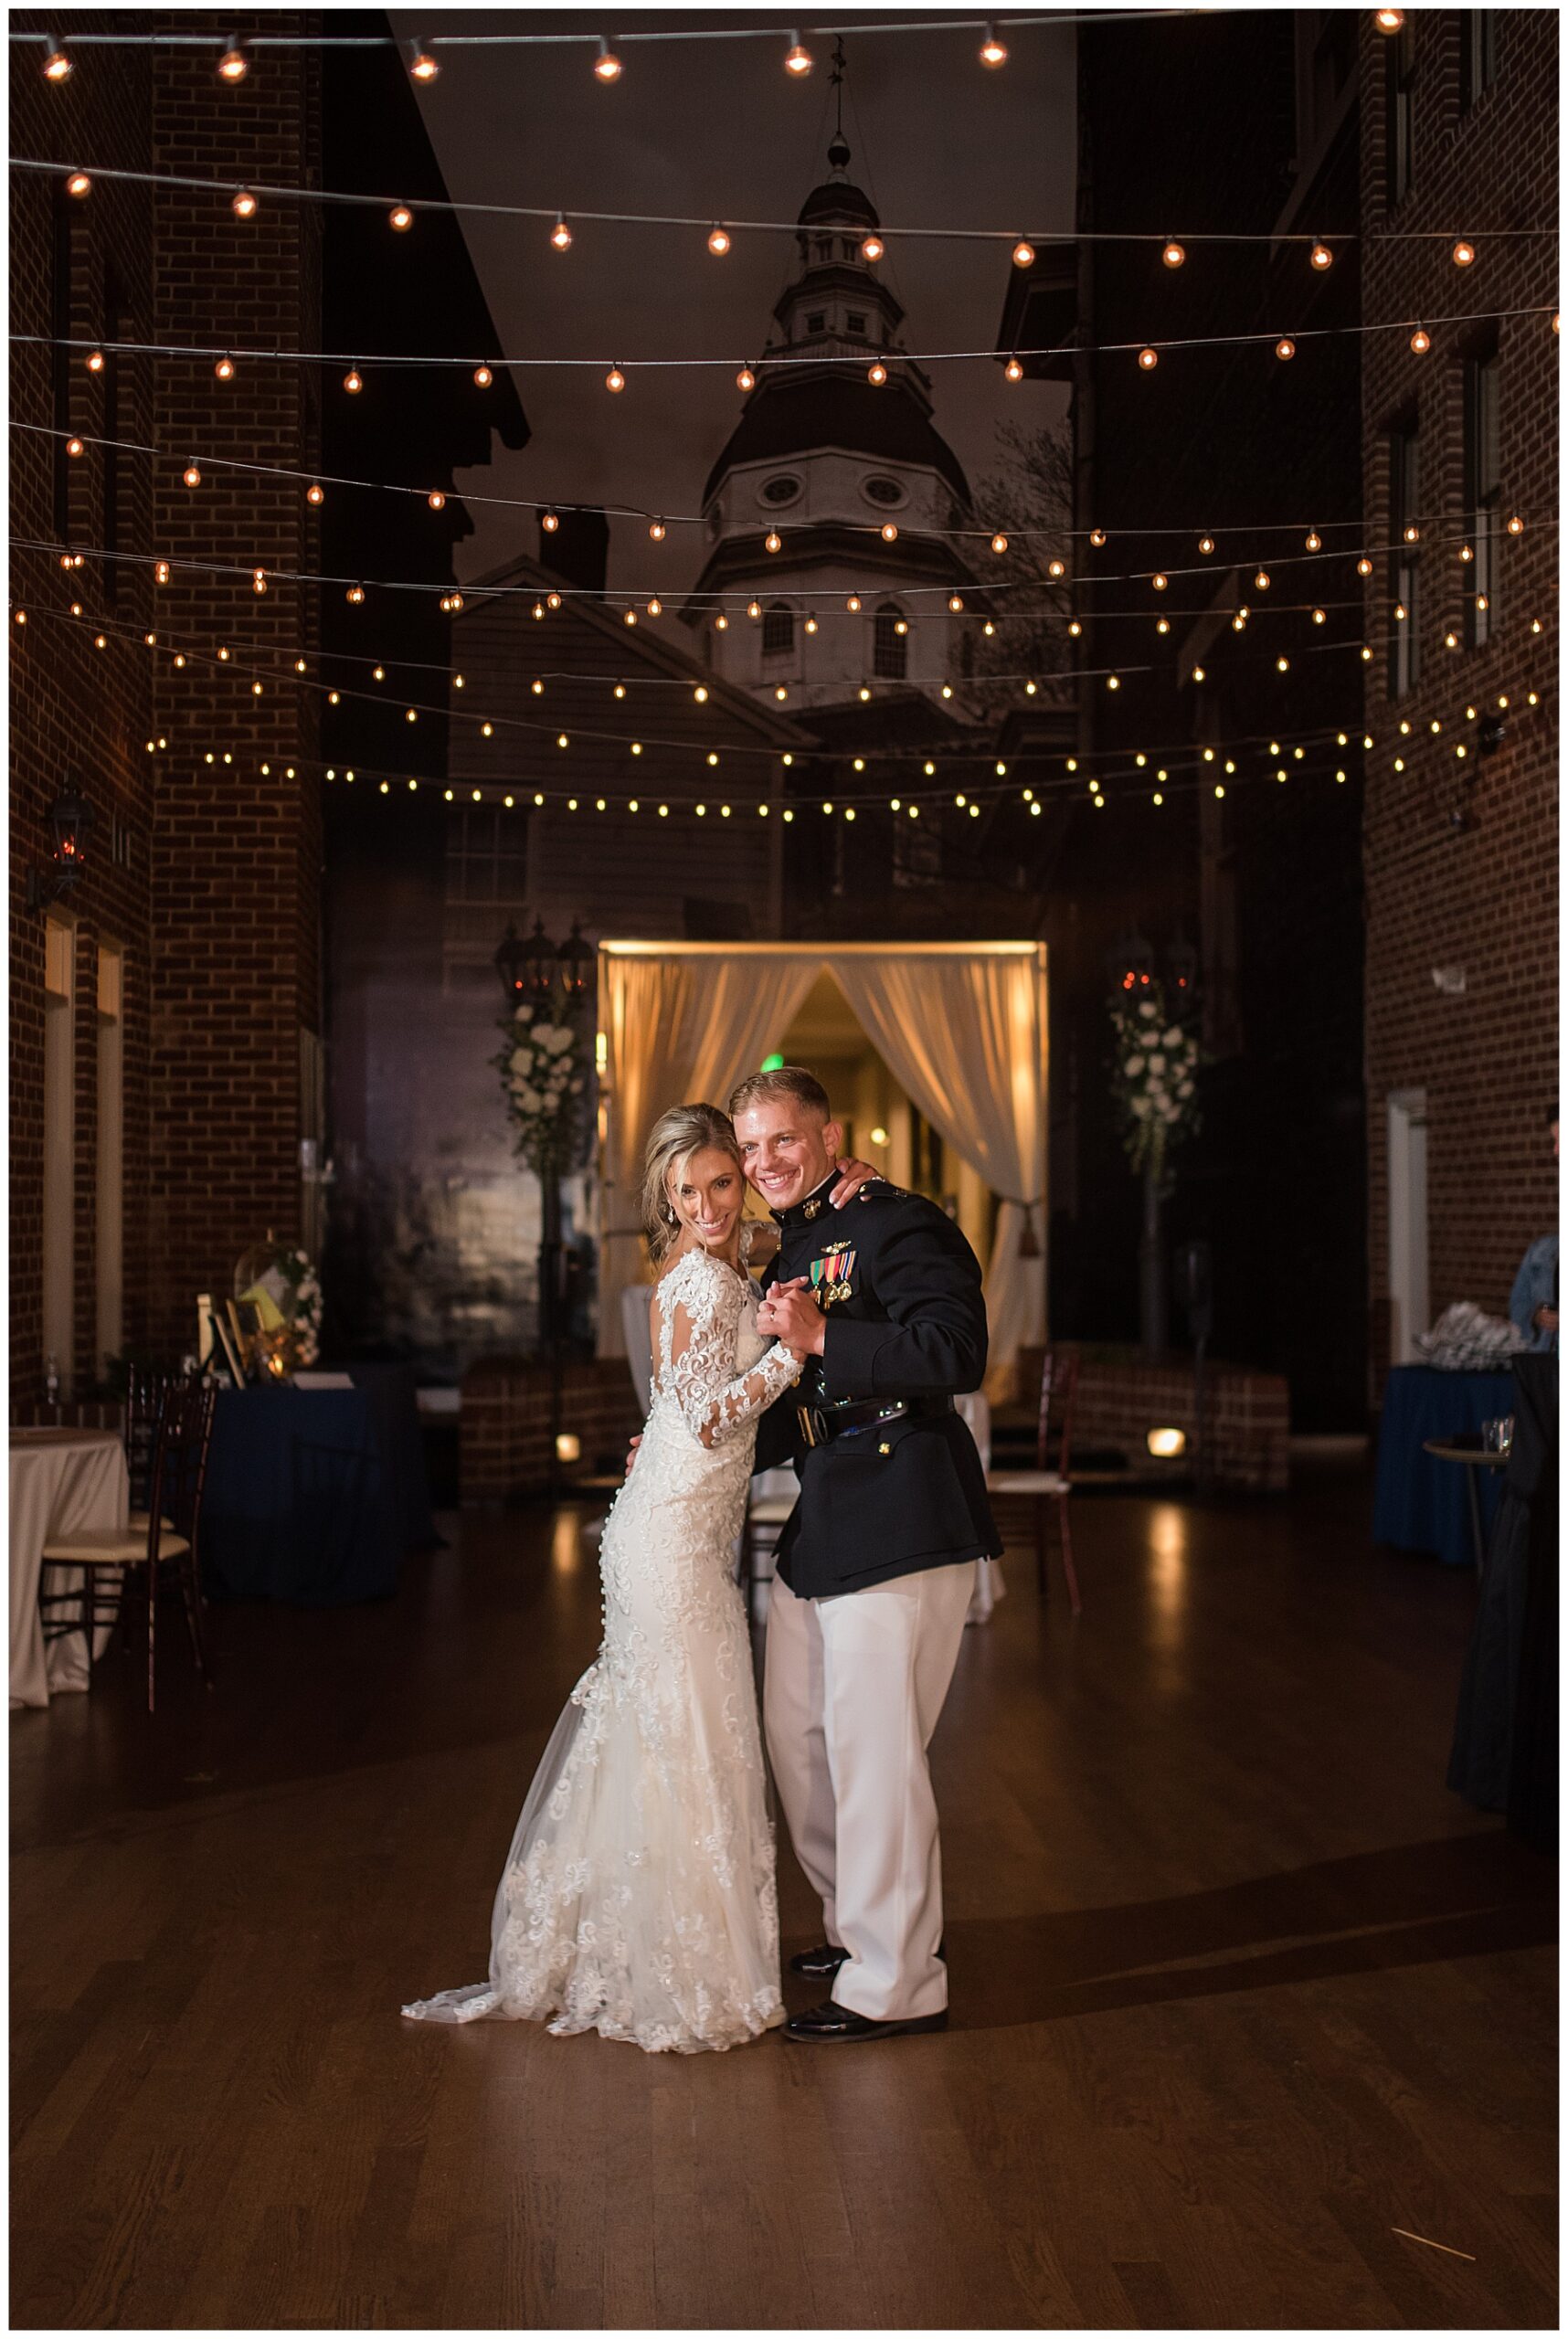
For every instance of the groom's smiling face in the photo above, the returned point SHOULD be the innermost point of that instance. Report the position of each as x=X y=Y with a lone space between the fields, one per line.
x=786 y=1149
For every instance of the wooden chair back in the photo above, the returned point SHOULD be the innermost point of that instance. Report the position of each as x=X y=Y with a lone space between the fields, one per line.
x=145 y=1391
x=179 y=1459
x=1058 y=1401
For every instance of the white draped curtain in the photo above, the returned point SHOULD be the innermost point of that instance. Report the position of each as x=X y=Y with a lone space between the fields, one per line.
x=964 y=1034
x=962 y=1029
x=680 y=1026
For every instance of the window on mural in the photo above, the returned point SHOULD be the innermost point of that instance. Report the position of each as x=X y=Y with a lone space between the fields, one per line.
x=885 y=491
x=854 y=322
x=778 y=630
x=1404 y=560
x=1483 y=494
x=1477 y=54
x=890 y=646
x=1399 y=125
x=817 y=322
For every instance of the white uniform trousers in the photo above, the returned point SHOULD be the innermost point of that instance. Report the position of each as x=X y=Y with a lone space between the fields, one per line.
x=855 y=1688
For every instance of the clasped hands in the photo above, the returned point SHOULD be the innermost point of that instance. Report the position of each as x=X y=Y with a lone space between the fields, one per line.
x=793 y=1318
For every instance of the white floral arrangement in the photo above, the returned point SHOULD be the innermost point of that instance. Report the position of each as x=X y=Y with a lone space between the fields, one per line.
x=302 y=1306
x=544 y=1071
x=1156 y=1076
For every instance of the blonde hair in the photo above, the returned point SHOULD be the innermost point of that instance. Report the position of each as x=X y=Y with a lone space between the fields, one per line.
x=792 y=1080
x=676 y=1135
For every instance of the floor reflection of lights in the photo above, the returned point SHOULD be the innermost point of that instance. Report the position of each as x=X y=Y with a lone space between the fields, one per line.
x=1168 y=1563
x=567 y=1543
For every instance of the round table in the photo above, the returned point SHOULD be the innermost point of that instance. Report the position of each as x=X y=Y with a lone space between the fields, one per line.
x=1473 y=1459
x=63 y=1482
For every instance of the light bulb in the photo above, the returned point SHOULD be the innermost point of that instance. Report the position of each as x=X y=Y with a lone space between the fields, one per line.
x=560 y=233
x=161 y=573
x=992 y=51
x=1149 y=359
x=353 y=381
x=1363 y=567
x=1261 y=580
x=422 y=65
x=1057 y=568
x=1159 y=581
x=998 y=542
x=658 y=531
x=1285 y=348
x=615 y=379
x=955 y=603
x=192 y=475
x=876 y=373
x=57 y=64
x=721 y=623
x=1205 y=544
x=1421 y=341
x=889 y=532
x=1096 y=537
x=355 y=594
x=1464 y=254
x=94 y=364
x=224 y=369
x=745 y=379
x=796 y=57
x=78 y=183
x=1013 y=370
x=754 y=610
x=1515 y=526
x=233 y=65
x=606 y=64
x=1319 y=617
x=1412 y=534
x=436 y=500
x=550 y=522
x=553 y=600
x=1389 y=20
x=244 y=204
x=1174 y=255
x=873 y=247
x=1320 y=257
x=853 y=605
x=258 y=580
x=773 y=541
x=718 y=242
x=900 y=625
x=655 y=606
x=1314 y=541
x=482 y=378
x=400 y=218
x=1022 y=253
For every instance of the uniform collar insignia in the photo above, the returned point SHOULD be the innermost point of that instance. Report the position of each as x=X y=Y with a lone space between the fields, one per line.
x=811 y=1206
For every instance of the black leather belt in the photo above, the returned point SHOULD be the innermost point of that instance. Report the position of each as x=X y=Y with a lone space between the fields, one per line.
x=820 y=1425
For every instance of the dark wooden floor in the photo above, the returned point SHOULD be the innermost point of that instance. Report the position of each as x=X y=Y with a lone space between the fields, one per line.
x=1238 y=1988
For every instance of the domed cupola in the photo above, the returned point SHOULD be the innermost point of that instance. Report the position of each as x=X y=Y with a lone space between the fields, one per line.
x=837 y=466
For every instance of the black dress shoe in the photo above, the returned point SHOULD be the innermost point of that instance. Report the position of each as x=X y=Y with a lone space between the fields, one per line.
x=835 y=2023
x=823 y=1959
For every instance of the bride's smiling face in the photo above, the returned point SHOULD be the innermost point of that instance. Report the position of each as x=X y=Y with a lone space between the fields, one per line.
x=709 y=1194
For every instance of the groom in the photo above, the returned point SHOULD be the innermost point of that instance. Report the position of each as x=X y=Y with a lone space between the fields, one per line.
x=876 y=1562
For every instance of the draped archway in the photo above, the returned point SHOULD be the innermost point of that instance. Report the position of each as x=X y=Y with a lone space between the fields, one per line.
x=960 y=1025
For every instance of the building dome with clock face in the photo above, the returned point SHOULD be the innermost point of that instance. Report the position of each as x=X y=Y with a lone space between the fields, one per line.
x=849 y=474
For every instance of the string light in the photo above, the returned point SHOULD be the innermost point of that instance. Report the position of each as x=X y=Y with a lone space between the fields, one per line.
x=773 y=541
x=745 y=379
x=78 y=183
x=1013 y=370
x=1096 y=537
x=657 y=530
x=1174 y=255
x=57 y=64
x=233 y=65
x=244 y=205
x=353 y=381
x=1285 y=348
x=992 y=51
x=1022 y=253
x=1149 y=359
x=615 y=379
x=853 y=605
x=876 y=373
x=422 y=65
x=95 y=362
x=192 y=475
x=889 y=532
x=1314 y=541
x=718 y=242
x=560 y=233
x=1464 y=253
x=1389 y=20
x=606 y=64
x=872 y=248
x=1421 y=341
x=482 y=378
x=796 y=57
x=400 y=218
x=1205 y=544
x=1320 y=257
x=224 y=369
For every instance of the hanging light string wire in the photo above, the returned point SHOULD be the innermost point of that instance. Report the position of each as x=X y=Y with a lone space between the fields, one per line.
x=1214 y=564
x=1042 y=239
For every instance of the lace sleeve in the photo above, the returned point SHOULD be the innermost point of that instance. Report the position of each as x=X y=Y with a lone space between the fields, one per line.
x=693 y=1340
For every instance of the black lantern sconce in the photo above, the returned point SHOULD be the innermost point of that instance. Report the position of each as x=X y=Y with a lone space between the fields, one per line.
x=576 y=962
x=510 y=954
x=70 y=826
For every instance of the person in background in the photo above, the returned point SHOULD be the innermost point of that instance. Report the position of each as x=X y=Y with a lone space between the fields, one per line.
x=1533 y=1305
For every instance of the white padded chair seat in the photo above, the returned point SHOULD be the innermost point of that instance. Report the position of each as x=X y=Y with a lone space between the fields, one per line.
x=1027 y=1482
x=139 y=1520
x=108 y=1547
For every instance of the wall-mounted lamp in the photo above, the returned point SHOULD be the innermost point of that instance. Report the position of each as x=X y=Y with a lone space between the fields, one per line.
x=1164 y=1444
x=70 y=825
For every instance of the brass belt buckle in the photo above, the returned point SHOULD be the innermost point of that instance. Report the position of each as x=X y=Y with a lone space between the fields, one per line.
x=813 y=1424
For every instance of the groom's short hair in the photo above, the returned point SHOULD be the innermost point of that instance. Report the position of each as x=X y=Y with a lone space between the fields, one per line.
x=784 y=1080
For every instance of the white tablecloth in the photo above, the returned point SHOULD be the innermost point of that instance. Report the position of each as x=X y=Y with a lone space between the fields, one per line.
x=63 y=1482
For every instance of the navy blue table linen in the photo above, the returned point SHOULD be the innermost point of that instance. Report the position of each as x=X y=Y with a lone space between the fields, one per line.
x=1421 y=1503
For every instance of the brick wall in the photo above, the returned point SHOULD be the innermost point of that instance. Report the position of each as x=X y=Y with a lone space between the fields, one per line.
x=504 y=1426
x=205 y=874
x=1461 y=855
x=1246 y=1425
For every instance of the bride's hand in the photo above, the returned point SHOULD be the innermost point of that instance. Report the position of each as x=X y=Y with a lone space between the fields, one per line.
x=852 y=1176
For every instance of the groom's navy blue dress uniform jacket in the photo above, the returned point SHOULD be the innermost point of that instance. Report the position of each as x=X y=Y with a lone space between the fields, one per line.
x=900 y=1289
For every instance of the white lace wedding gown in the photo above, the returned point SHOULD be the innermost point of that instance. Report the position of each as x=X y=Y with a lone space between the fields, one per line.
x=639 y=1899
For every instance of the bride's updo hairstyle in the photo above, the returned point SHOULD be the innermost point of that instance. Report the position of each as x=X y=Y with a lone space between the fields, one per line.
x=676 y=1135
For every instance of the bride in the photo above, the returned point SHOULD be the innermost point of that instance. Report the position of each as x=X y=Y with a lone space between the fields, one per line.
x=638 y=1899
